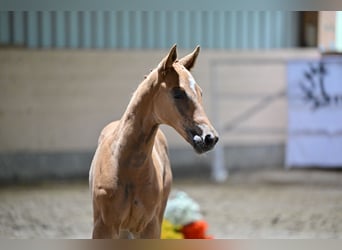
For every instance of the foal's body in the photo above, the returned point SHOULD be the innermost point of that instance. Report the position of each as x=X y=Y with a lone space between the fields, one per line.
x=130 y=176
x=133 y=178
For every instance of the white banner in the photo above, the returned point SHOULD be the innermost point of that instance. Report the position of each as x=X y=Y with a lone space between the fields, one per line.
x=315 y=113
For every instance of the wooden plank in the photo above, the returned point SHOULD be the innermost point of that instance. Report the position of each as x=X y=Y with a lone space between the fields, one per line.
x=18 y=26
x=112 y=30
x=32 y=29
x=86 y=30
x=46 y=27
x=4 y=27
x=60 y=30
x=73 y=29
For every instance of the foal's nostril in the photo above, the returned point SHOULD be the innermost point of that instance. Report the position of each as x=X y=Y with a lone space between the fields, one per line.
x=209 y=140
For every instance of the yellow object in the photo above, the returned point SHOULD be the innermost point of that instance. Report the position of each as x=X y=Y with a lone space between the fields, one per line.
x=170 y=231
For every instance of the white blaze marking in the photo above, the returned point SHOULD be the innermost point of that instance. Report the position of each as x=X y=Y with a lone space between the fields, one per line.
x=192 y=83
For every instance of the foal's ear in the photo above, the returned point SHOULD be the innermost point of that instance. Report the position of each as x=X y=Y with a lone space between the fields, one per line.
x=168 y=60
x=189 y=61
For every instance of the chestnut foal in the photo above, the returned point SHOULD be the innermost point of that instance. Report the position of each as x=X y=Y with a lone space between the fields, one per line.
x=130 y=175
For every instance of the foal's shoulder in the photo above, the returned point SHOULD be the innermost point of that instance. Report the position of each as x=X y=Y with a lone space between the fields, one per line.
x=107 y=130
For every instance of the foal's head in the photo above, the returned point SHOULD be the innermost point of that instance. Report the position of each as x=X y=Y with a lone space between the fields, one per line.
x=178 y=101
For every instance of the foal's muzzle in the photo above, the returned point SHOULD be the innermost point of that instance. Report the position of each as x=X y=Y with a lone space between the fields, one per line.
x=203 y=139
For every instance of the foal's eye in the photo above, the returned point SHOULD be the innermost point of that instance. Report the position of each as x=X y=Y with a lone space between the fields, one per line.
x=178 y=93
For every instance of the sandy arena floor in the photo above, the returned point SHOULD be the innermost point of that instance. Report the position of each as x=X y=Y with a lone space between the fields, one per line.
x=258 y=204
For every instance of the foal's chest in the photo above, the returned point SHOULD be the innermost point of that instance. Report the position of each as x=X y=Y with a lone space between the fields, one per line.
x=140 y=203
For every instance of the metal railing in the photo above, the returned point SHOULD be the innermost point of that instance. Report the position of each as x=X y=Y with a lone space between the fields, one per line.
x=219 y=170
x=149 y=29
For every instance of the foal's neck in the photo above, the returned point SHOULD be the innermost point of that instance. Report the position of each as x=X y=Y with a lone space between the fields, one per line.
x=137 y=128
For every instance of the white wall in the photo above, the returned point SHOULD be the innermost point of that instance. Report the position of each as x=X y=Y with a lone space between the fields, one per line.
x=58 y=100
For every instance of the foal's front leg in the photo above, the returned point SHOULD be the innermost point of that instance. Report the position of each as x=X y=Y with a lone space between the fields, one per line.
x=103 y=231
x=104 y=227
x=152 y=230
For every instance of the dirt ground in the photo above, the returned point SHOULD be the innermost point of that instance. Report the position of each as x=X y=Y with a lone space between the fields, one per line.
x=251 y=204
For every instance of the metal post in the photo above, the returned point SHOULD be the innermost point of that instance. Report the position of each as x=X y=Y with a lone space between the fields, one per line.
x=219 y=172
